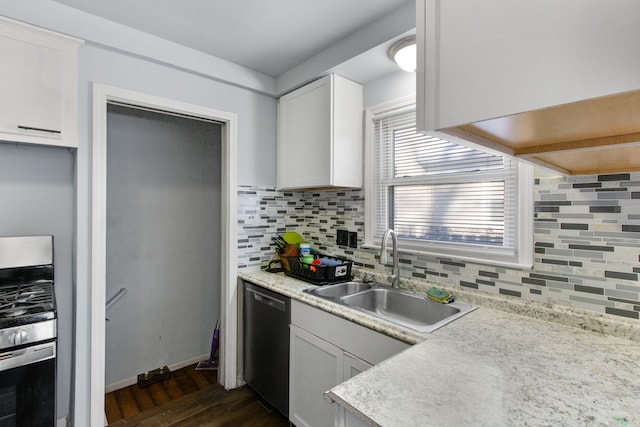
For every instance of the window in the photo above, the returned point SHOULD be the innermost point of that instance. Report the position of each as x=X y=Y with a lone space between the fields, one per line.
x=443 y=197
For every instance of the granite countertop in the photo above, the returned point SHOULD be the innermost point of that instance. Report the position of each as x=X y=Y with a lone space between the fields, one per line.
x=293 y=288
x=489 y=368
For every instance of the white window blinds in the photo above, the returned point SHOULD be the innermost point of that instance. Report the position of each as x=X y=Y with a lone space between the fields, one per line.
x=440 y=196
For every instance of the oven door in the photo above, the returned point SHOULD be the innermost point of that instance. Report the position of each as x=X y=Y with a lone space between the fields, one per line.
x=27 y=386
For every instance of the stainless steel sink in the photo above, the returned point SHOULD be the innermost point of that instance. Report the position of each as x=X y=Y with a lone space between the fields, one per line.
x=409 y=309
x=340 y=290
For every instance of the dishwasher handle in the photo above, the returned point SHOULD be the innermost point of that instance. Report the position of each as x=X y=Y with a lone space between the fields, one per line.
x=268 y=300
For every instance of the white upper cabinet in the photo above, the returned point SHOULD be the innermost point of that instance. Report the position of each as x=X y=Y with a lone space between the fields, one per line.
x=320 y=135
x=480 y=60
x=38 y=83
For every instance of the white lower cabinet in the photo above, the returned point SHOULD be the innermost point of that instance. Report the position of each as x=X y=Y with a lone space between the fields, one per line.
x=352 y=366
x=327 y=350
x=315 y=367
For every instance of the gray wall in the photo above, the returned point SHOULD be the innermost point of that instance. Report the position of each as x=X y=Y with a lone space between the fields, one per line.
x=256 y=113
x=37 y=198
x=163 y=239
x=389 y=88
x=256 y=158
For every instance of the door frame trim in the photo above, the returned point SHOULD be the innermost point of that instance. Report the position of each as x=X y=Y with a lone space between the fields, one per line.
x=103 y=94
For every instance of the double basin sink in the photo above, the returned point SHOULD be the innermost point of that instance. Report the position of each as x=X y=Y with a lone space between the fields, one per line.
x=408 y=309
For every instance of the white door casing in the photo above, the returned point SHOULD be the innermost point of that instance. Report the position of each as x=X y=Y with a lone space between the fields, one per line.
x=103 y=94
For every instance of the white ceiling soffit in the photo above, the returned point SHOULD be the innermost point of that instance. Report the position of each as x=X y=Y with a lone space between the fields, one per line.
x=361 y=56
x=271 y=37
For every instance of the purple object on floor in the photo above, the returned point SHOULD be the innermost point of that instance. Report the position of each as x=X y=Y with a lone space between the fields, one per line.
x=210 y=364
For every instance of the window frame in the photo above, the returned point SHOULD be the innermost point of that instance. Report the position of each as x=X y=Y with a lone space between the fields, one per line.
x=522 y=254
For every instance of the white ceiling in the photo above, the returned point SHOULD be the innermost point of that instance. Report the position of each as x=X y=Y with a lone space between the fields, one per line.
x=269 y=36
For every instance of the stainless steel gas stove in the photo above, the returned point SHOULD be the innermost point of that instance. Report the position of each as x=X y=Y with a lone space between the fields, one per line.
x=27 y=331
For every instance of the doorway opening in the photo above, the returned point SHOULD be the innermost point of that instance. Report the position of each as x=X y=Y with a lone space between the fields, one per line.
x=105 y=98
x=163 y=241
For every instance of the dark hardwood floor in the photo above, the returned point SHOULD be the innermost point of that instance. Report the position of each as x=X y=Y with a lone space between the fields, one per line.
x=189 y=398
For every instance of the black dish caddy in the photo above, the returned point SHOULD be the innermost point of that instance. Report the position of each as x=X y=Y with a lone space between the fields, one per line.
x=320 y=274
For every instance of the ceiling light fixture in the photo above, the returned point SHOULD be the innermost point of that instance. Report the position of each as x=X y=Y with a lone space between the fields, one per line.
x=403 y=52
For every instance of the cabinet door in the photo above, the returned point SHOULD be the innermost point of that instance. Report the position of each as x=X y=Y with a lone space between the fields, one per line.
x=38 y=83
x=481 y=60
x=30 y=78
x=320 y=135
x=315 y=367
x=352 y=366
x=304 y=136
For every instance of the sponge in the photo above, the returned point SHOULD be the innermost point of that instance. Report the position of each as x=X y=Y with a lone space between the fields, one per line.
x=439 y=295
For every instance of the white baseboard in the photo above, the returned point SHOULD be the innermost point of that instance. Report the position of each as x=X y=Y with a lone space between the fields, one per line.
x=130 y=381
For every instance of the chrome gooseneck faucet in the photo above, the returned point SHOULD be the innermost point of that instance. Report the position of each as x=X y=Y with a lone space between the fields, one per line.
x=394 y=277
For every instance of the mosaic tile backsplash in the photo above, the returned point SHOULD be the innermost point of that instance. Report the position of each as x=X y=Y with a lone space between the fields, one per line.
x=586 y=238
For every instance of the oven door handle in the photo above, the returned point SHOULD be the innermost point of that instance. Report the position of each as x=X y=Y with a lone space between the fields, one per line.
x=27 y=356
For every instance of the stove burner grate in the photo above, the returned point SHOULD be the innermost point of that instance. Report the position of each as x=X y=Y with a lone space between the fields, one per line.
x=17 y=300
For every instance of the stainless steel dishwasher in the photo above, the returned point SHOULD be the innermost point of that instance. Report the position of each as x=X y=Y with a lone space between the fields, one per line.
x=266 y=317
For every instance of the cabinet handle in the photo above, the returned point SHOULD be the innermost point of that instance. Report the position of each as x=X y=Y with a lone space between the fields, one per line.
x=271 y=302
x=39 y=129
